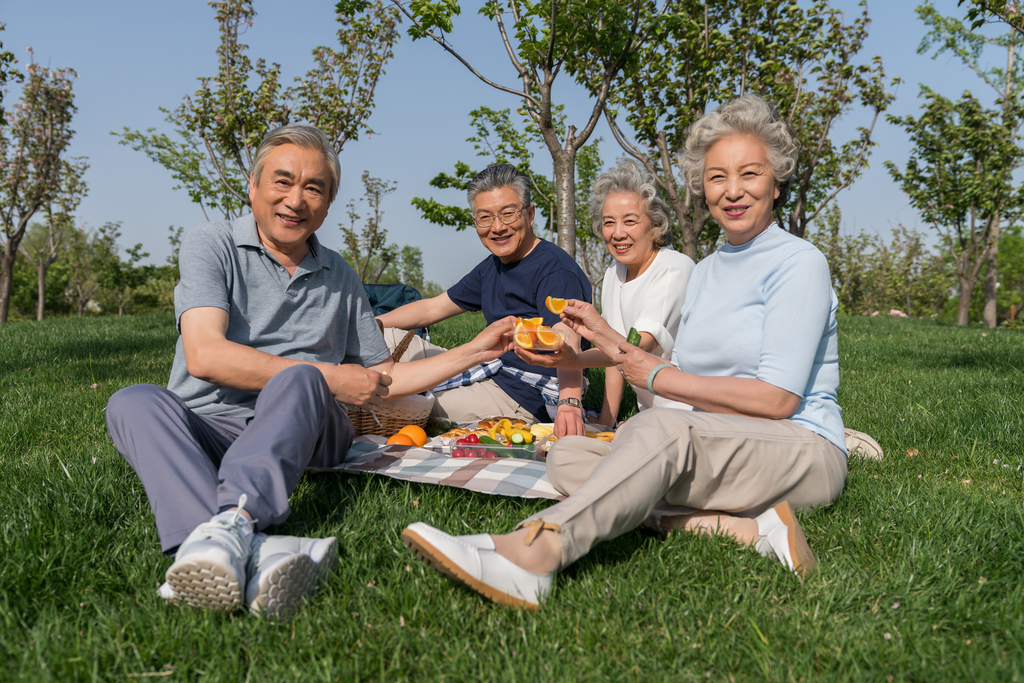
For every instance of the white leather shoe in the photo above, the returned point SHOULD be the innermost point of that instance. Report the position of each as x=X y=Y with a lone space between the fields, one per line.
x=779 y=534
x=472 y=561
x=859 y=443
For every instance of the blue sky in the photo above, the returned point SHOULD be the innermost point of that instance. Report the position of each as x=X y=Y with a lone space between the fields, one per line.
x=133 y=57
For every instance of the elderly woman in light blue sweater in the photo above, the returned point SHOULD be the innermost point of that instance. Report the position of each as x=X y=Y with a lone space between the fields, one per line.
x=755 y=355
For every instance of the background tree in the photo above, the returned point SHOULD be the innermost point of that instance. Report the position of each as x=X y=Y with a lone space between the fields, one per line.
x=42 y=248
x=983 y=11
x=367 y=250
x=6 y=61
x=218 y=129
x=955 y=178
x=32 y=159
x=948 y=34
x=589 y=37
x=407 y=269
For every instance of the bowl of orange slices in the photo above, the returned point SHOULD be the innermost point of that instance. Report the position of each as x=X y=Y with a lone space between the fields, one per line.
x=531 y=334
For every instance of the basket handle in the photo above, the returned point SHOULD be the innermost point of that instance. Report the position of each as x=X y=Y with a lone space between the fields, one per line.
x=403 y=346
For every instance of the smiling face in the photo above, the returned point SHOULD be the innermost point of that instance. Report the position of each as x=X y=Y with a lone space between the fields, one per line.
x=739 y=187
x=511 y=242
x=626 y=229
x=290 y=201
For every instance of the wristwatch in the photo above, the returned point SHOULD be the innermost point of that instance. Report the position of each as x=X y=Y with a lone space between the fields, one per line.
x=574 y=402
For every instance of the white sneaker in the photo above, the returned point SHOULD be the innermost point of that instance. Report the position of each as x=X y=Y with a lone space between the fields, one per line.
x=209 y=569
x=284 y=570
x=472 y=561
x=779 y=534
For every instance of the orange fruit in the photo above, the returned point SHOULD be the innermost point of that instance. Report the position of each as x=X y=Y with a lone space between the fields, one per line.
x=401 y=440
x=555 y=305
x=529 y=323
x=548 y=337
x=523 y=338
x=415 y=433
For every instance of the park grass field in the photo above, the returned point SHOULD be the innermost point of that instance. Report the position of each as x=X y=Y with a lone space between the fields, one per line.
x=922 y=559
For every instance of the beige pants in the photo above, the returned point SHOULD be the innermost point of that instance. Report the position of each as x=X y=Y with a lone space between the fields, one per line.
x=476 y=401
x=705 y=461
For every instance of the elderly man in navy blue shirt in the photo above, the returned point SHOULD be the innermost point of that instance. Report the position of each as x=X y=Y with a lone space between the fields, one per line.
x=521 y=272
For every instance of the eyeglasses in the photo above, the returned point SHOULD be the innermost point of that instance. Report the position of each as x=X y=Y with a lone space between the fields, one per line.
x=486 y=220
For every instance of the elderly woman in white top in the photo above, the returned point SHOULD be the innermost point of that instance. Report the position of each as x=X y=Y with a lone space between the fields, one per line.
x=755 y=355
x=645 y=287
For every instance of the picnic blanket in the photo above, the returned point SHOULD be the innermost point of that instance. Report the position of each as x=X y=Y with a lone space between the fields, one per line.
x=497 y=476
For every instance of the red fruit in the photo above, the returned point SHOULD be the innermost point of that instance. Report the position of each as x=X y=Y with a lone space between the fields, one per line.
x=472 y=438
x=458 y=453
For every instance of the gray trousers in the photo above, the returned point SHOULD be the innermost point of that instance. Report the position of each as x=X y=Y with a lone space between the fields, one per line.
x=704 y=461
x=193 y=465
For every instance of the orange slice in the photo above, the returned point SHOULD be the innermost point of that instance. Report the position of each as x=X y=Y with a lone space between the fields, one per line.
x=547 y=337
x=555 y=305
x=523 y=338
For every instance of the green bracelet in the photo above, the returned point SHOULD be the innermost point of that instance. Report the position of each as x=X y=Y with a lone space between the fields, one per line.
x=654 y=373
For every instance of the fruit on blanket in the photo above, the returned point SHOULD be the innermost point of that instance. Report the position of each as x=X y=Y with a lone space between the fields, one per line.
x=401 y=440
x=414 y=432
x=555 y=305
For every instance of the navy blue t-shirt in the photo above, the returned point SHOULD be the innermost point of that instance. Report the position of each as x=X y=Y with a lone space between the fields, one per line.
x=519 y=289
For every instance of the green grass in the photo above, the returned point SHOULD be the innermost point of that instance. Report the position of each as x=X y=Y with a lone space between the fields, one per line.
x=921 y=559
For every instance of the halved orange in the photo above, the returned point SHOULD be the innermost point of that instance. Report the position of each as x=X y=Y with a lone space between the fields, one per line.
x=548 y=337
x=555 y=305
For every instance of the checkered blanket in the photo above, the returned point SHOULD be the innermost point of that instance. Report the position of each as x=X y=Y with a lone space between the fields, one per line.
x=498 y=476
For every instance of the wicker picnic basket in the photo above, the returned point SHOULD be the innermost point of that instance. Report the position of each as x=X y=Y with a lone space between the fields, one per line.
x=385 y=419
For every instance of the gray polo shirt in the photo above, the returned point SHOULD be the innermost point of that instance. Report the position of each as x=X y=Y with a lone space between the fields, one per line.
x=320 y=313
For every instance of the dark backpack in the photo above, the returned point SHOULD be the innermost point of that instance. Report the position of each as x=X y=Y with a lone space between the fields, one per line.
x=385 y=298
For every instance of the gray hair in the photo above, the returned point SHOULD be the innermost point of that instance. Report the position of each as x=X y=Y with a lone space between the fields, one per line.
x=306 y=137
x=632 y=178
x=748 y=114
x=497 y=176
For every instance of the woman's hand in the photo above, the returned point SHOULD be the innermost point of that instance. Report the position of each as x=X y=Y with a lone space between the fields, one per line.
x=583 y=319
x=563 y=357
x=636 y=364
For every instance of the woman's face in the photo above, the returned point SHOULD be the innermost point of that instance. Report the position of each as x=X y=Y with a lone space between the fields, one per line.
x=626 y=229
x=739 y=187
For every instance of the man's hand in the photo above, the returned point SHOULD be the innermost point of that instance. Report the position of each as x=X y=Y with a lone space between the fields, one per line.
x=356 y=385
x=569 y=422
x=494 y=341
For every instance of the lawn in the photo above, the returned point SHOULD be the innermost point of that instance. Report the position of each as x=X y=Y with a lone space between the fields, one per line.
x=922 y=559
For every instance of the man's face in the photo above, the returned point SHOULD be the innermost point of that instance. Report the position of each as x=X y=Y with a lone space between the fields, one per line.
x=509 y=242
x=290 y=201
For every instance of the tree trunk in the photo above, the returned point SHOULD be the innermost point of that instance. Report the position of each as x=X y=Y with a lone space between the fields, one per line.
x=964 y=308
x=565 y=195
x=6 y=277
x=991 y=275
x=41 y=288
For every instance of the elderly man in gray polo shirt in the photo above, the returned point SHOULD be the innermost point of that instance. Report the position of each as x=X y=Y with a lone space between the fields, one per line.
x=275 y=334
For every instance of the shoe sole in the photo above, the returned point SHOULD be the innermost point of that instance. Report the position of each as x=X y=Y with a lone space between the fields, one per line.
x=282 y=591
x=804 y=563
x=203 y=583
x=438 y=561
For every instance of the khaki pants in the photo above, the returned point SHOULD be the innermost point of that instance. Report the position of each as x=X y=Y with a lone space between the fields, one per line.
x=705 y=461
x=477 y=401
